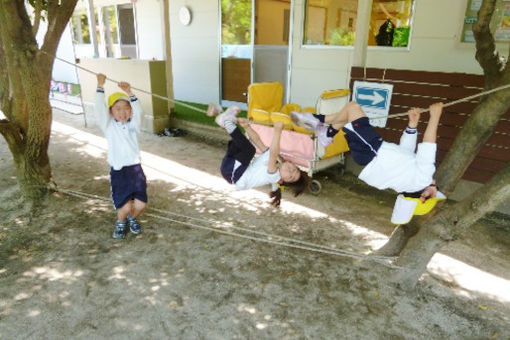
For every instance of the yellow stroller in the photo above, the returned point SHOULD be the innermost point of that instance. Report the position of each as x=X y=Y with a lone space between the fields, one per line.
x=297 y=144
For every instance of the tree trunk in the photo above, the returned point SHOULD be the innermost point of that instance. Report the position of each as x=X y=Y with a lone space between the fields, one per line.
x=24 y=87
x=448 y=225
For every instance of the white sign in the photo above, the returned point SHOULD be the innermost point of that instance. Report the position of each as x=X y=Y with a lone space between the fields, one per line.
x=375 y=100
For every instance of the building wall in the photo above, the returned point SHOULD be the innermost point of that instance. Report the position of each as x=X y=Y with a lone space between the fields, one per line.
x=435 y=46
x=196 y=52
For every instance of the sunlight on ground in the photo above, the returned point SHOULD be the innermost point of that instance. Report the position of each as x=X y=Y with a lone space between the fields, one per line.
x=467 y=277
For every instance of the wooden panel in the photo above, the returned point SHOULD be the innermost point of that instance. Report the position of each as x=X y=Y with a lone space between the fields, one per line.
x=459 y=79
x=236 y=76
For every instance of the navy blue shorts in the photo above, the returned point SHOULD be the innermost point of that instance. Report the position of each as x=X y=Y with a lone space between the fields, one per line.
x=363 y=140
x=126 y=184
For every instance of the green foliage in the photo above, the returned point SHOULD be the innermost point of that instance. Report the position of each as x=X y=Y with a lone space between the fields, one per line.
x=341 y=37
x=44 y=4
x=401 y=36
x=236 y=22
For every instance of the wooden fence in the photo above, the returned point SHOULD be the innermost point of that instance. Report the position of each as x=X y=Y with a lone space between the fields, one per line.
x=420 y=89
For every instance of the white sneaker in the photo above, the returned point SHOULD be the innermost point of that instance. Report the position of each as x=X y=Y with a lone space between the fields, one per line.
x=306 y=120
x=321 y=131
x=230 y=114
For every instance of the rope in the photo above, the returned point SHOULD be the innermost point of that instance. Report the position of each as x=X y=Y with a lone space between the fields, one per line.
x=499 y=88
x=461 y=100
x=289 y=242
x=134 y=88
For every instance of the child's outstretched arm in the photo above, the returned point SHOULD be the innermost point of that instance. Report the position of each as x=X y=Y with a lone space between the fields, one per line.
x=136 y=114
x=100 y=108
x=274 y=149
x=410 y=136
x=430 y=134
x=252 y=134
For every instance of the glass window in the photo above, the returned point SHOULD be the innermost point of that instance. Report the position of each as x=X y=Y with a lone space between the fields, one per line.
x=81 y=33
x=330 y=22
x=390 y=23
x=333 y=22
x=110 y=23
x=236 y=22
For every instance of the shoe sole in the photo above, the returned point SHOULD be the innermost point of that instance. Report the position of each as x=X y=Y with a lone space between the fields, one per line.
x=135 y=232
x=295 y=118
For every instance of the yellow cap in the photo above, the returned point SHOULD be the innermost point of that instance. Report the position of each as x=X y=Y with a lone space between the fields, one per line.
x=423 y=208
x=406 y=207
x=112 y=99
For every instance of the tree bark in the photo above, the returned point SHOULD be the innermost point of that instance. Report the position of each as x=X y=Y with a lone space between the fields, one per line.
x=448 y=225
x=24 y=89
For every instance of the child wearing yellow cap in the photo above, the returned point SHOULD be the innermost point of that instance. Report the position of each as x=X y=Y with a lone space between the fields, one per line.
x=120 y=122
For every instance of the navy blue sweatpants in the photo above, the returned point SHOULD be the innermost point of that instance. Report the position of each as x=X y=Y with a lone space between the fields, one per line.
x=239 y=149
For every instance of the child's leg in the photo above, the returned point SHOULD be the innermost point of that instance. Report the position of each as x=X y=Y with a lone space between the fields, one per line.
x=123 y=211
x=137 y=208
x=240 y=147
x=349 y=113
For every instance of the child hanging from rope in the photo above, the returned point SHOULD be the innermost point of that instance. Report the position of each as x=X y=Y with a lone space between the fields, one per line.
x=386 y=165
x=237 y=166
x=120 y=122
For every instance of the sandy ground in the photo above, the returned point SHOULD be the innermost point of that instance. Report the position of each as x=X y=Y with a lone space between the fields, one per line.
x=62 y=275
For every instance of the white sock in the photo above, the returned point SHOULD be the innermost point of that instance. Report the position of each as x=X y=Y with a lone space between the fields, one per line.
x=230 y=126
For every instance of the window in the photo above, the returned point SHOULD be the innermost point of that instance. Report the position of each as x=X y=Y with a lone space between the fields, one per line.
x=80 y=23
x=127 y=31
x=111 y=33
x=236 y=22
x=390 y=23
x=330 y=22
x=334 y=22
x=115 y=31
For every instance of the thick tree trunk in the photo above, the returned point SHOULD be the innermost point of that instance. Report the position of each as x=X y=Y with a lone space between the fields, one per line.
x=24 y=86
x=448 y=225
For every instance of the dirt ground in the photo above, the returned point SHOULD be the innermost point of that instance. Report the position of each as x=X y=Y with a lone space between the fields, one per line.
x=62 y=275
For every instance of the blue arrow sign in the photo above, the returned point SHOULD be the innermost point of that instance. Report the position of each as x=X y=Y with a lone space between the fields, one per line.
x=372 y=97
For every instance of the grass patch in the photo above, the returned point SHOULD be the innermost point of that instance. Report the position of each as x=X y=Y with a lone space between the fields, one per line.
x=188 y=114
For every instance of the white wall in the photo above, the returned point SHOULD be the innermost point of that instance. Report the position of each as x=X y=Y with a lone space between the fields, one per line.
x=196 y=51
x=435 y=46
x=149 y=30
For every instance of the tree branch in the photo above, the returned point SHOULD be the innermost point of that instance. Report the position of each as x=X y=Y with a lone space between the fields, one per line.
x=58 y=17
x=473 y=135
x=12 y=134
x=448 y=225
x=486 y=53
x=463 y=214
x=37 y=16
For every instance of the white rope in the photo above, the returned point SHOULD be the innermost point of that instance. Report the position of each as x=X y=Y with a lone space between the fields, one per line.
x=303 y=245
x=499 y=88
x=134 y=88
